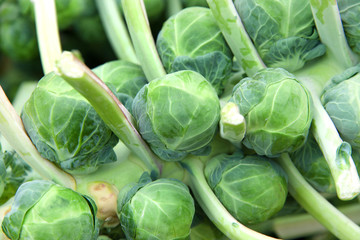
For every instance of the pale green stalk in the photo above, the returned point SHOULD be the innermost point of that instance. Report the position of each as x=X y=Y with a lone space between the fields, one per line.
x=109 y=108
x=329 y=216
x=11 y=127
x=144 y=44
x=47 y=33
x=329 y=26
x=303 y=225
x=116 y=31
x=232 y=124
x=336 y=152
x=236 y=36
x=173 y=7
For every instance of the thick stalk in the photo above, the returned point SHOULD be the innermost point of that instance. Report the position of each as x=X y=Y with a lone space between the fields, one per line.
x=109 y=108
x=213 y=208
x=12 y=129
x=335 y=221
x=236 y=36
x=116 y=31
x=303 y=225
x=336 y=152
x=328 y=23
x=47 y=33
x=139 y=28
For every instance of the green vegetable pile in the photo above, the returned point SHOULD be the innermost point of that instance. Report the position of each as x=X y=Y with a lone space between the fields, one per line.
x=180 y=119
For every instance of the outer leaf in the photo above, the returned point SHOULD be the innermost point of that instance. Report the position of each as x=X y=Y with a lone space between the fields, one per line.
x=349 y=11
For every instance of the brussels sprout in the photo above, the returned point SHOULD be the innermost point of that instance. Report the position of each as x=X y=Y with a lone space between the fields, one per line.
x=162 y=209
x=277 y=110
x=17 y=33
x=191 y=40
x=283 y=32
x=252 y=188
x=177 y=114
x=124 y=78
x=341 y=101
x=44 y=210
x=65 y=128
x=349 y=12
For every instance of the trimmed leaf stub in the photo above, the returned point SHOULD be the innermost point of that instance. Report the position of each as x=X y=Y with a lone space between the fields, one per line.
x=232 y=123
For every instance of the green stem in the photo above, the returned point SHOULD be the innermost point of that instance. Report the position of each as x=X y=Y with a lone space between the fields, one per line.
x=116 y=31
x=302 y=225
x=328 y=23
x=47 y=33
x=142 y=38
x=11 y=127
x=236 y=35
x=110 y=109
x=213 y=208
x=336 y=222
x=173 y=7
x=336 y=152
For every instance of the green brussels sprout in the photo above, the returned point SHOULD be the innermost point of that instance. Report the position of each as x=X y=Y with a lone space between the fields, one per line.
x=67 y=11
x=283 y=32
x=44 y=210
x=277 y=110
x=125 y=79
x=177 y=114
x=340 y=99
x=65 y=128
x=192 y=40
x=162 y=209
x=17 y=33
x=252 y=188
x=349 y=12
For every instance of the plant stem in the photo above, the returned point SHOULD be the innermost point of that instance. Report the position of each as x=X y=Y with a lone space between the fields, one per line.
x=213 y=208
x=302 y=225
x=328 y=23
x=109 y=108
x=47 y=33
x=12 y=129
x=336 y=222
x=336 y=152
x=116 y=31
x=173 y=7
x=142 y=38
x=236 y=36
